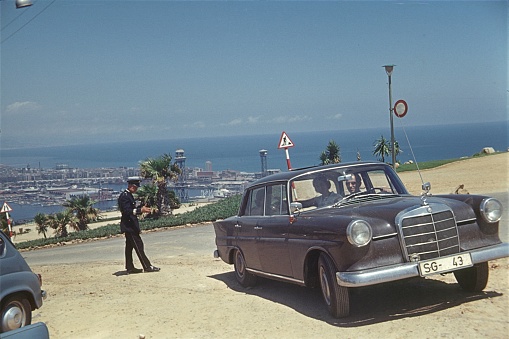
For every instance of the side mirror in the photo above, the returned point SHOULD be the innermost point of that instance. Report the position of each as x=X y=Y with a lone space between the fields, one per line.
x=295 y=207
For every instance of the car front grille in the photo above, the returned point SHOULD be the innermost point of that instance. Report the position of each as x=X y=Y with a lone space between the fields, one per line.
x=428 y=232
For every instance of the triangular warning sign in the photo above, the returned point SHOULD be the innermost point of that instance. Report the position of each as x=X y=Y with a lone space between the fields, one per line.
x=285 y=141
x=5 y=208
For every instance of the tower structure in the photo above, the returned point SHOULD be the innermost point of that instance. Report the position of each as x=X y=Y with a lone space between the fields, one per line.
x=208 y=166
x=263 y=159
x=180 y=186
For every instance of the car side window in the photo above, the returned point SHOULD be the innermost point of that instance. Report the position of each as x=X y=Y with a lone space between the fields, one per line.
x=277 y=203
x=256 y=203
x=380 y=183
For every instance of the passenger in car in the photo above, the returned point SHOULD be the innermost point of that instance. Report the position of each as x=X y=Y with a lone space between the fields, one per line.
x=322 y=185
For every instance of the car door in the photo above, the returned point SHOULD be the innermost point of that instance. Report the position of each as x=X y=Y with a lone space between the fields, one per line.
x=272 y=232
x=247 y=224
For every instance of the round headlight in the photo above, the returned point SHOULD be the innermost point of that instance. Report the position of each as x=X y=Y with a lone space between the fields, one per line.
x=359 y=233
x=491 y=209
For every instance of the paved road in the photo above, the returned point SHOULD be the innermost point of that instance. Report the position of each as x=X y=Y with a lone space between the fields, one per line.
x=188 y=240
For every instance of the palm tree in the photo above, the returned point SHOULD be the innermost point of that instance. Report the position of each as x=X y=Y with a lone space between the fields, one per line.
x=160 y=170
x=59 y=222
x=83 y=209
x=42 y=222
x=147 y=194
x=331 y=155
x=382 y=148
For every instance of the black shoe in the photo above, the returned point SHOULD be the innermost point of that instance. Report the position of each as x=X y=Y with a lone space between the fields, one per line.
x=134 y=270
x=152 y=269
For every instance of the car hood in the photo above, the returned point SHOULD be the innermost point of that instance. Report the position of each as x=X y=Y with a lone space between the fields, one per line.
x=381 y=211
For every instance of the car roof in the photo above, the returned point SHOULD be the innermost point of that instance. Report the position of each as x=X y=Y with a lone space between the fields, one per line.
x=285 y=176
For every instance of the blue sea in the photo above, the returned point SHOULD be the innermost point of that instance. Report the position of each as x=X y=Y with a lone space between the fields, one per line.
x=241 y=153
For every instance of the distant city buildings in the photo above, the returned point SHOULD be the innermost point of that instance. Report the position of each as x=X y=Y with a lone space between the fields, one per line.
x=53 y=186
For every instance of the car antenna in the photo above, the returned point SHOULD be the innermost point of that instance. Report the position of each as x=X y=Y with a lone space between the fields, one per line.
x=426 y=187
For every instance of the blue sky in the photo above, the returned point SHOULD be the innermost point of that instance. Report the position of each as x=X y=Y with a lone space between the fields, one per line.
x=98 y=71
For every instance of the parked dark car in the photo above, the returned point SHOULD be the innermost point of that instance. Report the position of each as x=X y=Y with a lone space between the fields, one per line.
x=20 y=288
x=363 y=228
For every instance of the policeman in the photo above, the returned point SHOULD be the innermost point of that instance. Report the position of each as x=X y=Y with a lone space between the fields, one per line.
x=129 y=225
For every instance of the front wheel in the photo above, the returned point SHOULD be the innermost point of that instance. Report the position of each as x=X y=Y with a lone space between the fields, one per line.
x=473 y=279
x=335 y=296
x=244 y=278
x=16 y=313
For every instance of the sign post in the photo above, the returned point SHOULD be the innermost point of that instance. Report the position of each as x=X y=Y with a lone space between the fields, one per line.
x=286 y=143
x=6 y=209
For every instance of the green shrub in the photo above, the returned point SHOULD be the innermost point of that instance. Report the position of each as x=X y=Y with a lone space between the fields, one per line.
x=222 y=209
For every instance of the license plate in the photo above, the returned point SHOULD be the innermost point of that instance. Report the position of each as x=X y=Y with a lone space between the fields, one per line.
x=445 y=264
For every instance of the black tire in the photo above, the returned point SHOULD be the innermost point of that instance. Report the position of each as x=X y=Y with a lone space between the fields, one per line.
x=16 y=313
x=244 y=278
x=473 y=279
x=336 y=297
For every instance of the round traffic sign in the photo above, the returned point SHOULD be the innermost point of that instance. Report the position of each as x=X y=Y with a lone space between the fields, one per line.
x=400 y=108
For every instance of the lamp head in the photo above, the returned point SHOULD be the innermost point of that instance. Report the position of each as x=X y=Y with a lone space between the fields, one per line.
x=23 y=3
x=389 y=69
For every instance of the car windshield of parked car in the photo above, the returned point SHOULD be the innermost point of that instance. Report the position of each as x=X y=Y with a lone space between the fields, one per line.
x=329 y=187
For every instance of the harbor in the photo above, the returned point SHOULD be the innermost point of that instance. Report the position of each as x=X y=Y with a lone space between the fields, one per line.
x=40 y=190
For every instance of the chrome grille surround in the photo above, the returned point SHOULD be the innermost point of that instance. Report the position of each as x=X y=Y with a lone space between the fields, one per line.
x=427 y=232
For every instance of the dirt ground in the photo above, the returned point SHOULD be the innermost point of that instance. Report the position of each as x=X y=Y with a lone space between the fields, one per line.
x=197 y=296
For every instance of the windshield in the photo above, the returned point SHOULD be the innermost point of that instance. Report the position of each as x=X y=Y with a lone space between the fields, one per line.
x=327 y=187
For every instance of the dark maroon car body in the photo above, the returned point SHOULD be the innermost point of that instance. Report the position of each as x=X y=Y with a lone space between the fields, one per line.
x=378 y=234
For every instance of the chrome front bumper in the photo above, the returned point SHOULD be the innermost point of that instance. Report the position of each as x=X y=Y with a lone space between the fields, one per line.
x=410 y=269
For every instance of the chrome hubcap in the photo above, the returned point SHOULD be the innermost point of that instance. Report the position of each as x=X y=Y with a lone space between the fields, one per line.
x=325 y=286
x=12 y=318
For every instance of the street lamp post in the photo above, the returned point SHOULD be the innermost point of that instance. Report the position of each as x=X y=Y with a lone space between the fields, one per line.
x=388 y=70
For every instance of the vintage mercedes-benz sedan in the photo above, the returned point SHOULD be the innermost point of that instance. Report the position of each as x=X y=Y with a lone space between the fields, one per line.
x=354 y=224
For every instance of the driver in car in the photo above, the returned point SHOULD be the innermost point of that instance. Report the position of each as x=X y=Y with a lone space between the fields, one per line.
x=353 y=184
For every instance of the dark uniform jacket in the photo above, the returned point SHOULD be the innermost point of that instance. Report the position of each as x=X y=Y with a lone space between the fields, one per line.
x=129 y=220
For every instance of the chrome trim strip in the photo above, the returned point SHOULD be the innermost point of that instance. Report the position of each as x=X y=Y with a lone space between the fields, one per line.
x=385 y=236
x=467 y=221
x=275 y=276
x=410 y=269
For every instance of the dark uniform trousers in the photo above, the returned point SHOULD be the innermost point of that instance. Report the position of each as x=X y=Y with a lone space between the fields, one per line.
x=133 y=241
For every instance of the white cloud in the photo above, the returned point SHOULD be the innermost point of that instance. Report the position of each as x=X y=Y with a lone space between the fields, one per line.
x=24 y=106
x=291 y=118
x=253 y=120
x=234 y=122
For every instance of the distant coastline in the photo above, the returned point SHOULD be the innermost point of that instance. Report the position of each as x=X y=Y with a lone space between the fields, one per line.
x=242 y=153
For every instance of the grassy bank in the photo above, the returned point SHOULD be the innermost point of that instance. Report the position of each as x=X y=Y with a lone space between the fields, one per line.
x=437 y=163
